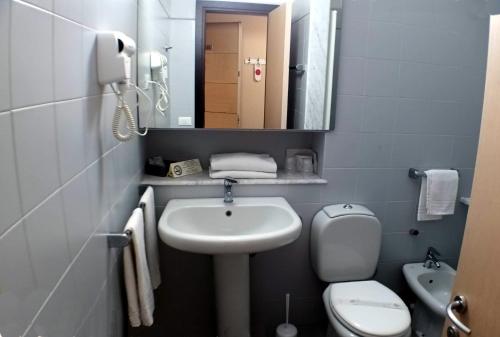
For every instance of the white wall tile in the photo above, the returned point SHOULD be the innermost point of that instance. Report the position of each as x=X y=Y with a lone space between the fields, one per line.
x=91 y=266
x=71 y=136
x=31 y=56
x=68 y=60
x=4 y=55
x=71 y=9
x=45 y=4
x=91 y=108
x=18 y=299
x=46 y=149
x=60 y=316
x=77 y=214
x=98 y=195
x=36 y=153
x=10 y=206
x=91 y=84
x=185 y=9
x=48 y=246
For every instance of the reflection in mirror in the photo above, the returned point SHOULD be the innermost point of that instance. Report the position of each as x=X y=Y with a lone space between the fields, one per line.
x=238 y=65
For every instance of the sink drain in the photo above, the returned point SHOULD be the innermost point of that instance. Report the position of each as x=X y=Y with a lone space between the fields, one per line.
x=229 y=213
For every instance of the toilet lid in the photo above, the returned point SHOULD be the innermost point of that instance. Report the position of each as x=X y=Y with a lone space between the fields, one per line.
x=369 y=308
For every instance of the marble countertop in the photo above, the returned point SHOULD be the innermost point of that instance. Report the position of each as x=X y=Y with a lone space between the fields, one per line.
x=202 y=179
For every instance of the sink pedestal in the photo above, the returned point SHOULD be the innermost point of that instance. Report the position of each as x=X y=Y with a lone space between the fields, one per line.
x=232 y=293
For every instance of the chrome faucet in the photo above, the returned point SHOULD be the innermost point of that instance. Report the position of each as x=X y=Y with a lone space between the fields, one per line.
x=431 y=259
x=228 y=193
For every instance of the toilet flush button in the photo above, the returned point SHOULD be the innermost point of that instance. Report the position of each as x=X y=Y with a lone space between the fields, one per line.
x=347 y=206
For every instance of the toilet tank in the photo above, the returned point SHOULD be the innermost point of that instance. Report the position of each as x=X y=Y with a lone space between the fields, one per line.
x=345 y=243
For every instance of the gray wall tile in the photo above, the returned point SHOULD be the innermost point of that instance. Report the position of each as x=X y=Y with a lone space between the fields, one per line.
x=351 y=76
x=381 y=78
x=384 y=40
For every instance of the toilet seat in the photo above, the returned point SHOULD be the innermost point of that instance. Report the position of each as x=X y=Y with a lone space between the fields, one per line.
x=369 y=309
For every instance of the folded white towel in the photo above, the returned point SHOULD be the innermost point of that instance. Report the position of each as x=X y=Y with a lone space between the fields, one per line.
x=243 y=162
x=241 y=174
x=438 y=194
x=151 y=236
x=422 y=212
x=140 y=298
x=442 y=189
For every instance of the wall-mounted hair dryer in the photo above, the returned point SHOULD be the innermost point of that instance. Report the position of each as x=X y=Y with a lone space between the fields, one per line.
x=114 y=66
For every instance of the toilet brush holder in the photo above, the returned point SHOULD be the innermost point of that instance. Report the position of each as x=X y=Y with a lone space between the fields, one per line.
x=286 y=329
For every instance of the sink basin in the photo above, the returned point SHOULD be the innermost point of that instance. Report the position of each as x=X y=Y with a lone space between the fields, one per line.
x=230 y=232
x=431 y=285
x=248 y=225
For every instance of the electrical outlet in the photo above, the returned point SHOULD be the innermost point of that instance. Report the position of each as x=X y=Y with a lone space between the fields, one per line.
x=185 y=121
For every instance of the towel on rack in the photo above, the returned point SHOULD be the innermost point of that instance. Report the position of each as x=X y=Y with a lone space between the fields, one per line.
x=241 y=174
x=442 y=189
x=438 y=194
x=151 y=236
x=243 y=162
x=140 y=298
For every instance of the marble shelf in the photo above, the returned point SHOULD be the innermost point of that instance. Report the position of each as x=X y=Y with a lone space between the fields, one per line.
x=202 y=179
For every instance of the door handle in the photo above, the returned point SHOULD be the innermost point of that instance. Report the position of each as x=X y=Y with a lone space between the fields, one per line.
x=459 y=304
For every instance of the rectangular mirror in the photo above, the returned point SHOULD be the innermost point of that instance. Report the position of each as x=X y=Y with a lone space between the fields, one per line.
x=268 y=64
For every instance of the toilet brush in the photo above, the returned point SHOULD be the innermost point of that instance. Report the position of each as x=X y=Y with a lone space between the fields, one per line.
x=286 y=329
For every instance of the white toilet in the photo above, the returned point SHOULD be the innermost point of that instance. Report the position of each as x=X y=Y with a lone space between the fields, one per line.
x=345 y=246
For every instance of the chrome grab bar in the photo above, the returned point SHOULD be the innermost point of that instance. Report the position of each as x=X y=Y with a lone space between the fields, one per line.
x=459 y=304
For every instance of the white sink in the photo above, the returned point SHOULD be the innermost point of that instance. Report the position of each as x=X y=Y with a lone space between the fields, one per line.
x=431 y=285
x=230 y=232
x=248 y=225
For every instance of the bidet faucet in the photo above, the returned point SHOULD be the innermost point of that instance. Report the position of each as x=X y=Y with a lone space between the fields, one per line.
x=228 y=193
x=431 y=259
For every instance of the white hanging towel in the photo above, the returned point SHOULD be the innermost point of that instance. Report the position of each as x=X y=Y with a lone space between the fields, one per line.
x=438 y=194
x=442 y=189
x=140 y=298
x=151 y=236
x=243 y=162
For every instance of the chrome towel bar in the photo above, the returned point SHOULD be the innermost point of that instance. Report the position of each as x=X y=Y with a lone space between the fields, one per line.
x=119 y=240
x=122 y=240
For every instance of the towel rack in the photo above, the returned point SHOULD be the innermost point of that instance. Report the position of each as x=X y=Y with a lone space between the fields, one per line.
x=416 y=174
x=119 y=240
x=122 y=240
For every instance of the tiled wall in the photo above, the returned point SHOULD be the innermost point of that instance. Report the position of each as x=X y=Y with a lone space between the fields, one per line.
x=410 y=95
x=63 y=177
